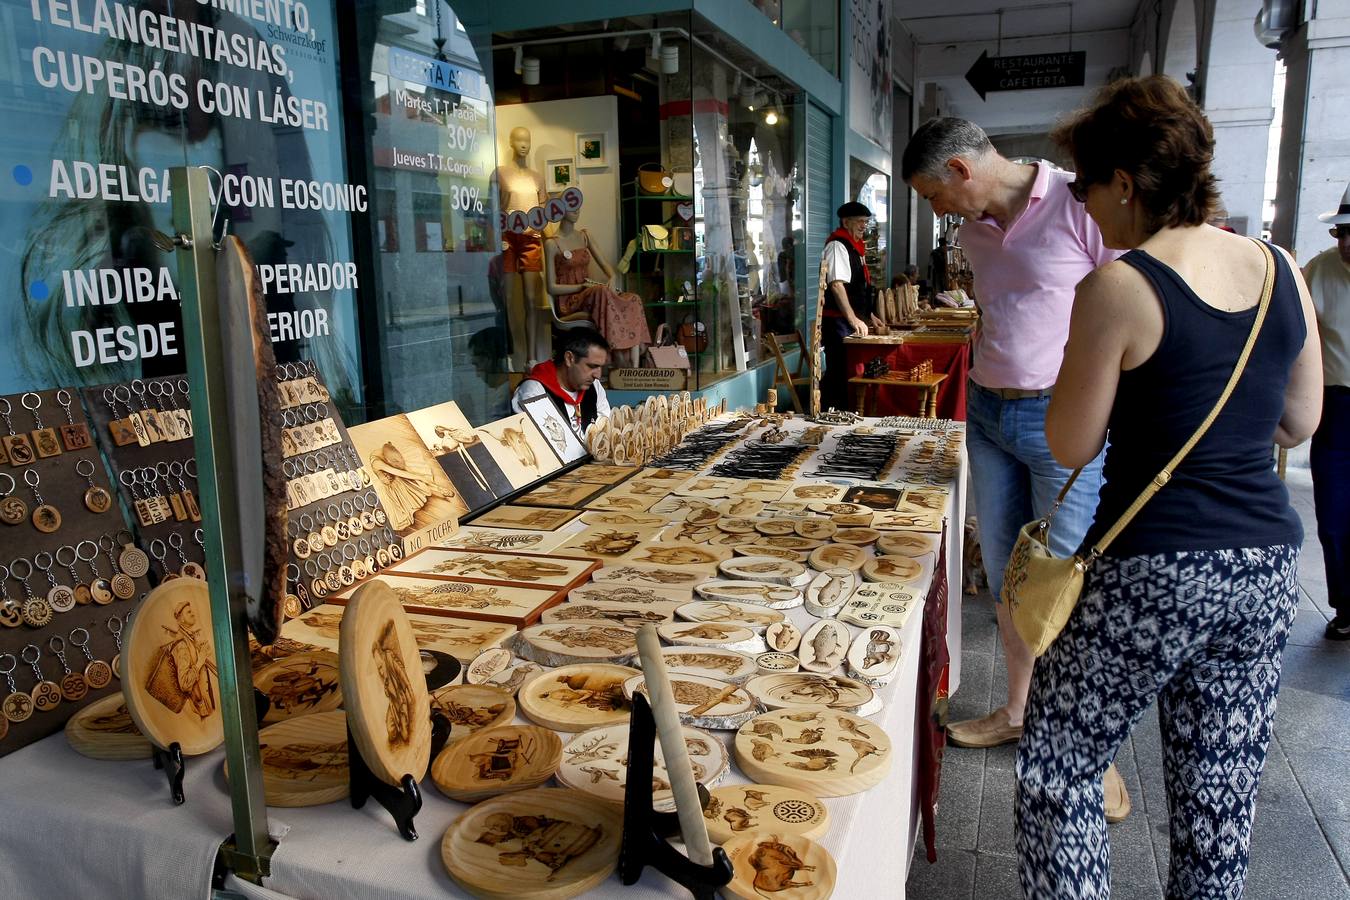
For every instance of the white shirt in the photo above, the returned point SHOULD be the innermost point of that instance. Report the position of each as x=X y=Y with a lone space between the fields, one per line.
x=835 y=261
x=1328 y=279
x=531 y=388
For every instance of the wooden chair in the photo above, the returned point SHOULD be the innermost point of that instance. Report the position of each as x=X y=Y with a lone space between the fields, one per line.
x=779 y=345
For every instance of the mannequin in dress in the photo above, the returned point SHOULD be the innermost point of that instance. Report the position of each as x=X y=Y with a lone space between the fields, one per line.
x=617 y=315
x=521 y=189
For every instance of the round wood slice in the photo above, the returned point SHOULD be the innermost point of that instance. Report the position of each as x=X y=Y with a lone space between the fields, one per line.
x=539 y=844
x=498 y=760
x=787 y=542
x=577 y=697
x=710 y=662
x=859 y=536
x=837 y=556
x=738 y=809
x=300 y=684
x=511 y=679
x=790 y=866
x=712 y=634
x=595 y=761
x=838 y=508
x=873 y=655
x=571 y=643
x=782 y=637
x=304 y=760
x=104 y=730
x=905 y=543
x=741 y=507
x=793 y=690
x=383 y=687
x=775 y=552
x=900 y=569
x=169 y=674
x=759 y=593
x=629 y=594
x=776 y=526
x=822 y=751
x=824 y=646
x=703 y=515
x=472 y=707
x=608 y=611
x=486 y=665
x=736 y=525
x=776 y=661
x=817 y=529
x=704 y=702
x=854 y=520
x=829 y=591
x=764 y=568
x=747 y=615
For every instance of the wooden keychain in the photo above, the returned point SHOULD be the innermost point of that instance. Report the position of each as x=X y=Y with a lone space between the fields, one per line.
x=123 y=584
x=46 y=694
x=13 y=511
x=132 y=559
x=46 y=518
x=188 y=568
x=96 y=499
x=100 y=588
x=74 y=435
x=84 y=594
x=18 y=448
x=129 y=429
x=159 y=552
x=11 y=614
x=114 y=626
x=45 y=442
x=74 y=686
x=18 y=706
x=97 y=673
x=37 y=612
x=60 y=597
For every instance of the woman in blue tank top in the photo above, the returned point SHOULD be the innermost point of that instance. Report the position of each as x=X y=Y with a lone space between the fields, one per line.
x=1192 y=603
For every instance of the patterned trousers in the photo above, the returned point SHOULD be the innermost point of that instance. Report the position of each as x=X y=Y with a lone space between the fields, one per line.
x=1204 y=632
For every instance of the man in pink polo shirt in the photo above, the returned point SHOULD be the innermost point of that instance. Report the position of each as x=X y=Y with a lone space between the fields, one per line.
x=1029 y=244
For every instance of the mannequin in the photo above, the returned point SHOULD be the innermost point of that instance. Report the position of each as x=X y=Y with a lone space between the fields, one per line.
x=618 y=316
x=521 y=189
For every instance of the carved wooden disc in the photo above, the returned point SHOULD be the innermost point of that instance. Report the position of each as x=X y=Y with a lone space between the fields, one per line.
x=631 y=615
x=760 y=593
x=577 y=697
x=487 y=664
x=300 y=684
x=665 y=577
x=791 y=866
x=829 y=591
x=798 y=689
x=169 y=673
x=837 y=556
x=839 y=508
x=764 y=568
x=873 y=655
x=900 y=569
x=472 y=707
x=782 y=636
x=704 y=702
x=776 y=552
x=904 y=543
x=383 y=687
x=104 y=730
x=787 y=542
x=539 y=844
x=859 y=536
x=823 y=751
x=747 y=615
x=712 y=634
x=511 y=679
x=816 y=529
x=596 y=762
x=568 y=643
x=777 y=661
x=738 y=809
x=704 y=557
x=495 y=761
x=304 y=760
x=630 y=594
x=710 y=662
x=824 y=646
x=776 y=527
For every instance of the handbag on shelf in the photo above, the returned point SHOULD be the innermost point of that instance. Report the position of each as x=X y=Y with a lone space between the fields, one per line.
x=655 y=237
x=664 y=353
x=1042 y=590
x=682 y=180
x=692 y=335
x=654 y=179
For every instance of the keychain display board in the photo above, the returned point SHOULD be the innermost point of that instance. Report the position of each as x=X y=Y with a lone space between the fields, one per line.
x=47 y=449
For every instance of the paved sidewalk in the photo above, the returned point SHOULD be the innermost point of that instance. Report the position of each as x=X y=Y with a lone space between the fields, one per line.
x=1301 y=840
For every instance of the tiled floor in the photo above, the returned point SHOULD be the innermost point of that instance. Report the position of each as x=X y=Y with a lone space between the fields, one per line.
x=1301 y=840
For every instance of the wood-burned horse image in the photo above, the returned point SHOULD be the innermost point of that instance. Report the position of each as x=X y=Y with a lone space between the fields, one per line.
x=776 y=865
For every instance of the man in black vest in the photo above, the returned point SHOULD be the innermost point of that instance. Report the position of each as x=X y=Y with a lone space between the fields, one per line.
x=571 y=379
x=849 y=300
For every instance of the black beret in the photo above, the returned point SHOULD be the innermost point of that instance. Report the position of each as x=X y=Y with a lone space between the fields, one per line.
x=852 y=209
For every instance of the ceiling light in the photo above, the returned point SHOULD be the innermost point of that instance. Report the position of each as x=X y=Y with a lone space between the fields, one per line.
x=529 y=70
x=771 y=117
x=670 y=59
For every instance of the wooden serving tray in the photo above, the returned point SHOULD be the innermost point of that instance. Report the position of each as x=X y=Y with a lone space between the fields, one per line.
x=494 y=761
x=819 y=750
x=577 y=697
x=738 y=809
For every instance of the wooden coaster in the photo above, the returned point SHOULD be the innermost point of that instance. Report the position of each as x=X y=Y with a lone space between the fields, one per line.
x=816 y=529
x=873 y=655
x=104 y=730
x=903 y=543
x=899 y=569
x=837 y=556
x=764 y=568
x=776 y=527
x=759 y=593
x=829 y=591
x=776 y=661
x=794 y=690
x=495 y=761
x=824 y=646
x=710 y=662
x=627 y=614
x=786 y=866
x=704 y=702
x=741 y=507
x=568 y=644
x=472 y=707
x=783 y=637
x=747 y=615
x=859 y=536
x=822 y=751
x=736 y=809
x=169 y=674
x=596 y=762
x=304 y=760
x=539 y=844
x=383 y=688
x=578 y=697
x=300 y=684
x=712 y=634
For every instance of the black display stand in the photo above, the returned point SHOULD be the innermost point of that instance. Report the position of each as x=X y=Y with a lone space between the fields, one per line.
x=645 y=829
x=403 y=802
x=174 y=766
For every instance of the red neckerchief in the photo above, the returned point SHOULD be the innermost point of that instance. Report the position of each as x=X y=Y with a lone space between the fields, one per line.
x=546 y=373
x=843 y=235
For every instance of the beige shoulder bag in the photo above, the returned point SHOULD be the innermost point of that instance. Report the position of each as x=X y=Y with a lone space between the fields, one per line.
x=1041 y=590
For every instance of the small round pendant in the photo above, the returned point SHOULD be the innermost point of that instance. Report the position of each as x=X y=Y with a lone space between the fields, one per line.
x=100 y=591
x=18 y=707
x=13 y=510
x=98 y=674
x=133 y=561
x=46 y=695
x=37 y=613
x=61 y=598
x=47 y=518
x=74 y=687
x=97 y=500
x=123 y=586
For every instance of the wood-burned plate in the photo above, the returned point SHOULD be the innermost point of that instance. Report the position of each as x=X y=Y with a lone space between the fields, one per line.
x=776 y=661
x=839 y=508
x=677 y=553
x=539 y=844
x=494 y=761
x=859 y=536
x=588 y=642
x=710 y=662
x=816 y=529
x=629 y=594
x=873 y=655
x=704 y=702
x=473 y=707
x=304 y=760
x=824 y=646
x=712 y=634
x=786 y=542
x=511 y=678
x=837 y=556
x=300 y=684
x=905 y=543
x=765 y=568
x=829 y=591
x=761 y=593
x=822 y=751
x=775 y=552
x=741 y=507
x=577 y=697
x=736 y=525
x=104 y=730
x=628 y=614
x=747 y=615
x=486 y=665
x=595 y=761
x=798 y=689
x=783 y=637
x=736 y=809
x=900 y=569
x=776 y=526
x=796 y=866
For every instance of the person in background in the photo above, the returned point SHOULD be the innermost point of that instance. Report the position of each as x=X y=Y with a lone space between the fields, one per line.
x=1328 y=275
x=1192 y=603
x=1029 y=243
x=571 y=379
x=849 y=299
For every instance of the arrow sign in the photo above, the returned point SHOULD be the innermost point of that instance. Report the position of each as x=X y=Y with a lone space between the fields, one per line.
x=1028 y=72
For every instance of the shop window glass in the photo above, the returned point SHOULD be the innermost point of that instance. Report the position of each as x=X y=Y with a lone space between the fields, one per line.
x=814 y=25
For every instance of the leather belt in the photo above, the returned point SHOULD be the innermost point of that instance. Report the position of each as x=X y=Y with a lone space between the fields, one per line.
x=1016 y=393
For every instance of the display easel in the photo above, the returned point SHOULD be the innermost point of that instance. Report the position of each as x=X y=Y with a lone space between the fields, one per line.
x=403 y=801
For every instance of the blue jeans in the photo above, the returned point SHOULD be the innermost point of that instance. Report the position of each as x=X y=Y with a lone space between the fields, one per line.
x=1015 y=479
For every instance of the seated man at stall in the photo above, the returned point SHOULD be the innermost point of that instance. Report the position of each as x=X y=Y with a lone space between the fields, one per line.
x=571 y=379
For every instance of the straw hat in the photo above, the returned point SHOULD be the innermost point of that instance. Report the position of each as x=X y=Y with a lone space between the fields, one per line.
x=1339 y=216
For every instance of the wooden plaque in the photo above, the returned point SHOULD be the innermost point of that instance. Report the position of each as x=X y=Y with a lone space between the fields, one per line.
x=786 y=542
x=710 y=488
x=776 y=661
x=776 y=527
x=628 y=614
x=764 y=568
x=513 y=604
x=304 y=760
x=903 y=520
x=703 y=557
x=736 y=524
x=529 y=518
x=853 y=520
x=608 y=542
x=814 y=492
x=461 y=638
x=799 y=556
x=859 y=536
x=489 y=538
x=495 y=761
x=567 y=644
x=704 y=702
x=816 y=529
x=649 y=576
x=169 y=674
x=793 y=690
x=737 y=809
x=838 y=556
x=577 y=697
x=485 y=665
x=900 y=569
x=824 y=646
x=623 y=519
x=539 y=844
x=712 y=634
x=829 y=591
x=747 y=615
x=104 y=730
x=596 y=762
x=880 y=603
x=780 y=865
x=629 y=594
x=472 y=707
x=837 y=508
x=710 y=662
x=300 y=684
x=498 y=567
x=763 y=490
x=760 y=593
x=511 y=679
x=783 y=637
x=904 y=543
x=383 y=687
x=741 y=507
x=873 y=655
x=819 y=750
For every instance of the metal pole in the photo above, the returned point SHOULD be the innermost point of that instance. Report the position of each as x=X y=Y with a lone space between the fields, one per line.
x=249 y=851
